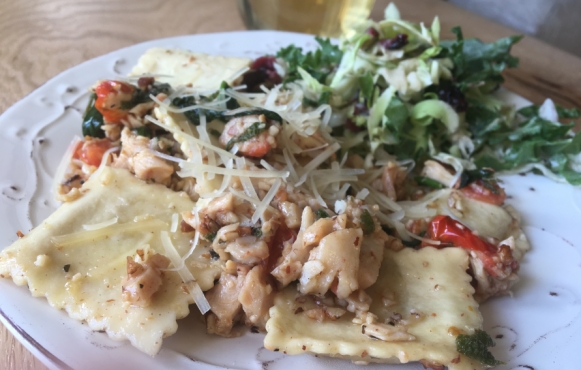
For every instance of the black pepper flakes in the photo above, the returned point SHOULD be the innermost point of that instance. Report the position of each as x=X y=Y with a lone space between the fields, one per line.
x=66 y=268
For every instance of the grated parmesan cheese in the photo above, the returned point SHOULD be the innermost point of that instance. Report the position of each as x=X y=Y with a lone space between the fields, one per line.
x=101 y=225
x=265 y=203
x=185 y=274
x=82 y=237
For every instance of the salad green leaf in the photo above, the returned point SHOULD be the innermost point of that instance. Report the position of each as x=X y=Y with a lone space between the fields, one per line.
x=318 y=64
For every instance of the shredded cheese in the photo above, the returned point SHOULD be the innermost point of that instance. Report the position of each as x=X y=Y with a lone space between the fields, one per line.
x=264 y=204
x=64 y=164
x=191 y=169
x=83 y=237
x=362 y=194
x=174 y=223
x=101 y=225
x=185 y=274
x=315 y=162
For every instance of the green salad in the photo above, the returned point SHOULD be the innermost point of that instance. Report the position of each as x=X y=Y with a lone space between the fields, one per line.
x=396 y=87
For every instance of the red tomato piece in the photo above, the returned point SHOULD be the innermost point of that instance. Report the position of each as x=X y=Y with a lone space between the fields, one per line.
x=449 y=231
x=488 y=193
x=110 y=96
x=91 y=152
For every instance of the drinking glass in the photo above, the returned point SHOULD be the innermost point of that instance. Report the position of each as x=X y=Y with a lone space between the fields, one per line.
x=327 y=18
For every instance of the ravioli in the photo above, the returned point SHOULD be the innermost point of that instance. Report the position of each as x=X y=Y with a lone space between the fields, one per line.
x=85 y=278
x=432 y=293
x=185 y=68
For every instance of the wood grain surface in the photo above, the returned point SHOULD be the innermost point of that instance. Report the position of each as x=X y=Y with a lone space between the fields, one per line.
x=41 y=38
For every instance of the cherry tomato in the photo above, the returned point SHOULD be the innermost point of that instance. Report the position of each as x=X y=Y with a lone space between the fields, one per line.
x=449 y=231
x=110 y=96
x=276 y=244
x=91 y=151
x=488 y=193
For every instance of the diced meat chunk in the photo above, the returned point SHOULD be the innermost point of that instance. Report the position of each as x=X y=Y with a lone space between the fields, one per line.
x=248 y=250
x=370 y=256
x=292 y=263
x=336 y=259
x=226 y=308
x=291 y=213
x=436 y=171
x=149 y=167
x=144 y=277
x=256 y=297
x=137 y=157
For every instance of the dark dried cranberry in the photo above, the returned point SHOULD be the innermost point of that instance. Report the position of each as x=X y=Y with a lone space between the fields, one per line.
x=144 y=82
x=263 y=63
x=372 y=32
x=261 y=72
x=397 y=42
x=452 y=95
x=352 y=126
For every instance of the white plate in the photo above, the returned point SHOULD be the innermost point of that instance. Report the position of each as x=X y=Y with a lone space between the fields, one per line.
x=539 y=327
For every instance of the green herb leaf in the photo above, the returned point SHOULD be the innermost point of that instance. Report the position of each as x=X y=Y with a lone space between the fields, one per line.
x=194 y=115
x=254 y=130
x=256 y=231
x=476 y=346
x=215 y=256
x=92 y=120
x=469 y=176
x=426 y=181
x=367 y=224
x=210 y=236
x=321 y=213
x=232 y=103
x=142 y=131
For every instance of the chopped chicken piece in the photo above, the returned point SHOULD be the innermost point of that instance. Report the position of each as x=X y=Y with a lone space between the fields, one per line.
x=256 y=297
x=335 y=259
x=144 y=277
x=248 y=249
x=436 y=171
x=371 y=256
x=226 y=308
x=137 y=157
x=292 y=264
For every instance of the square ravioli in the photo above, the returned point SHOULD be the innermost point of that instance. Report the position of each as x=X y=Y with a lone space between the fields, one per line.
x=84 y=275
x=428 y=288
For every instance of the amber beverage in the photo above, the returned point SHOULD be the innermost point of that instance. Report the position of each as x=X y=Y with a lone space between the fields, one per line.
x=328 y=18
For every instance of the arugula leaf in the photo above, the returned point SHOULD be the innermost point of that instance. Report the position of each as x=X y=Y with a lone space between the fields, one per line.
x=533 y=110
x=479 y=63
x=319 y=63
x=367 y=87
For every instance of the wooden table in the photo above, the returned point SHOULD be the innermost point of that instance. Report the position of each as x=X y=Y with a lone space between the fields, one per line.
x=39 y=39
